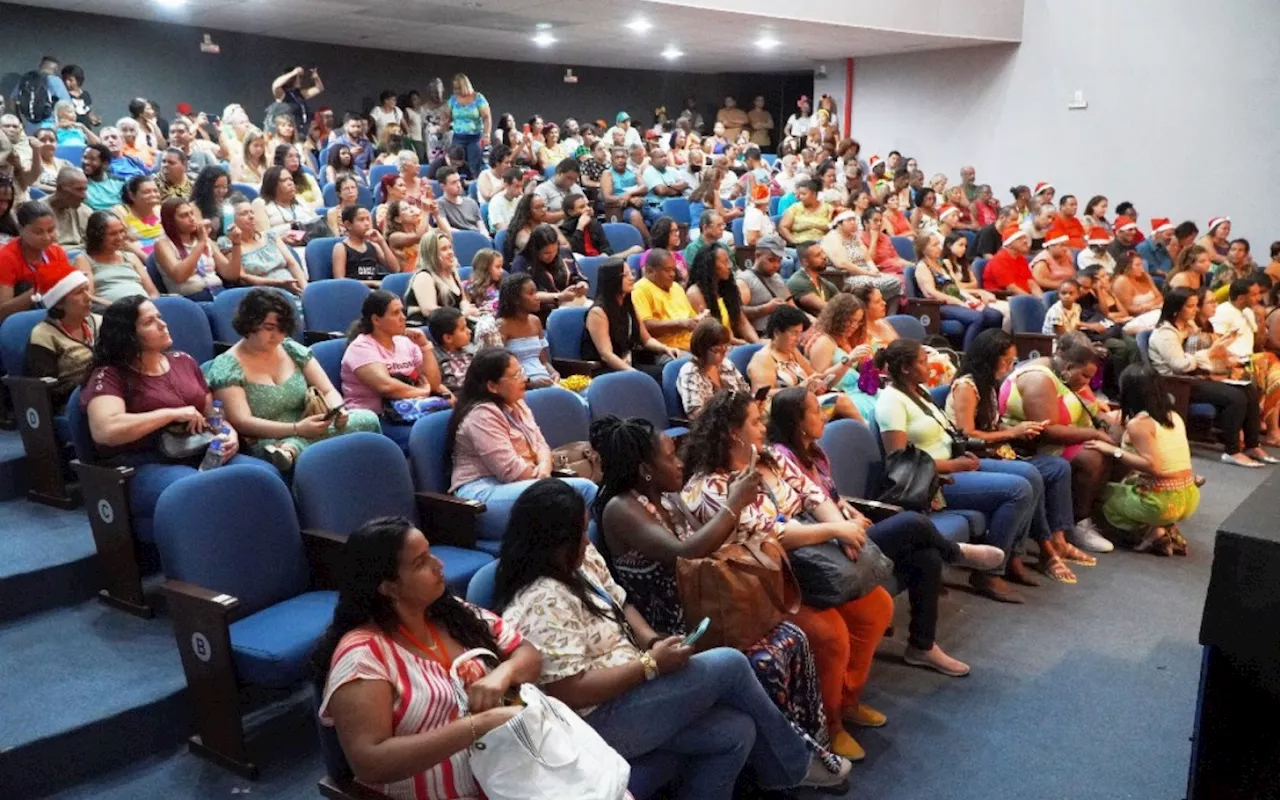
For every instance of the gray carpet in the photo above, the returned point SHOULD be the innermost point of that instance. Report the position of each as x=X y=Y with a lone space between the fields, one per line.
x=1087 y=691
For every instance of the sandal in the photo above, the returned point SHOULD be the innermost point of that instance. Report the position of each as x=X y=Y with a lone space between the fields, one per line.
x=1156 y=541
x=1177 y=542
x=1056 y=570
x=280 y=457
x=1074 y=555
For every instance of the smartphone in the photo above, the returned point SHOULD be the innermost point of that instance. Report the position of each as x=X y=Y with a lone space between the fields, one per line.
x=332 y=413
x=762 y=394
x=697 y=632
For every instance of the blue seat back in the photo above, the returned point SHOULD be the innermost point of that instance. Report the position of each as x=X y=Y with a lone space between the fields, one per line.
x=233 y=530
x=427 y=440
x=36 y=193
x=904 y=246
x=1026 y=312
x=249 y=191
x=15 y=332
x=940 y=395
x=742 y=354
x=329 y=356
x=695 y=214
x=481 y=589
x=1144 y=346
x=909 y=276
x=627 y=394
x=464 y=274
x=677 y=208
x=155 y=273
x=978 y=266
x=78 y=427
x=736 y=228
x=467 y=243
x=621 y=236
x=364 y=196
x=907 y=326
x=378 y=170
x=70 y=152
x=561 y=415
x=326 y=471
x=188 y=326
x=320 y=257
x=397 y=283
x=670 y=394
x=223 y=311
x=499 y=241
x=854 y=455
x=590 y=266
x=1050 y=297
x=334 y=304
x=564 y=332
x=636 y=262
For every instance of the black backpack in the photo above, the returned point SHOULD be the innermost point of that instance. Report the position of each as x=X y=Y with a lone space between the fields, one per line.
x=35 y=100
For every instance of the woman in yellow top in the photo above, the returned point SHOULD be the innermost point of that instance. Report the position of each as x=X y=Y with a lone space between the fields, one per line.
x=712 y=289
x=808 y=219
x=1160 y=489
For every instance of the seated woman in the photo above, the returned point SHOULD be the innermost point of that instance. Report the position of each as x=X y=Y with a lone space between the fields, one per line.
x=605 y=661
x=756 y=222
x=844 y=250
x=1192 y=270
x=417 y=190
x=614 y=334
x=896 y=222
x=341 y=163
x=957 y=262
x=112 y=269
x=935 y=282
x=280 y=211
x=404 y=228
x=1143 y=510
x=553 y=269
x=263 y=380
x=364 y=254
x=435 y=282
x=495 y=447
x=249 y=164
x=395 y=633
x=348 y=192
x=708 y=371
x=209 y=193
x=61 y=345
x=190 y=264
x=916 y=547
x=665 y=234
x=481 y=289
x=139 y=210
x=47 y=139
x=520 y=329
x=139 y=387
x=1133 y=288
x=725 y=440
x=260 y=259
x=708 y=193
x=906 y=415
x=924 y=217
x=839 y=337
x=1055 y=391
x=645 y=528
x=1055 y=263
x=308 y=191
x=390 y=190
x=780 y=364
x=713 y=291
x=877 y=242
x=973 y=408
x=388 y=368
x=809 y=219
x=530 y=212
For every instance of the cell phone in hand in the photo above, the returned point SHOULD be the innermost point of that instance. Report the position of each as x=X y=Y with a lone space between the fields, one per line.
x=762 y=394
x=697 y=632
x=333 y=413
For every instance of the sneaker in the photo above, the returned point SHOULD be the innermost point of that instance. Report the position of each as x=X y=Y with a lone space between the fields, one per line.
x=1087 y=536
x=936 y=660
x=980 y=556
x=820 y=776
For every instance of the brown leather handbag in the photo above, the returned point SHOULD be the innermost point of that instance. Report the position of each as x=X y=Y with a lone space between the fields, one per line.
x=745 y=589
x=578 y=458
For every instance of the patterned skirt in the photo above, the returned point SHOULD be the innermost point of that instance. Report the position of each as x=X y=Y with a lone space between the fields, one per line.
x=1133 y=505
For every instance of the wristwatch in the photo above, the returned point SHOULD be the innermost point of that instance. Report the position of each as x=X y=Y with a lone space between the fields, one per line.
x=650 y=666
x=1117 y=453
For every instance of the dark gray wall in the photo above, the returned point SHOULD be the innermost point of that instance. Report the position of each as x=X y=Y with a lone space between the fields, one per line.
x=125 y=58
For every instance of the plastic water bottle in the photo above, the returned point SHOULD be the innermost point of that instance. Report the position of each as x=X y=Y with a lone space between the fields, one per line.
x=216 y=416
x=212 y=456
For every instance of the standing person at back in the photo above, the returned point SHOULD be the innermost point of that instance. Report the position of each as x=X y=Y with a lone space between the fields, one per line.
x=288 y=89
x=468 y=116
x=37 y=92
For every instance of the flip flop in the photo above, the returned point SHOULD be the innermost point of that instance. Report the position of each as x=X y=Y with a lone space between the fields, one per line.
x=1056 y=570
x=1074 y=555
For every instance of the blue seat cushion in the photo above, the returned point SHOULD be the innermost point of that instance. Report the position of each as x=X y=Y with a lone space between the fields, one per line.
x=397 y=433
x=460 y=564
x=490 y=546
x=273 y=647
x=1201 y=411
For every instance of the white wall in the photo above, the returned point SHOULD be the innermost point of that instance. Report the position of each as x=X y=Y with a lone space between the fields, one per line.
x=1183 y=117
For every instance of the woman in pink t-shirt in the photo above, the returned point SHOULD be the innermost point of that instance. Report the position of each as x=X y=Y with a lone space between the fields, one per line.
x=386 y=361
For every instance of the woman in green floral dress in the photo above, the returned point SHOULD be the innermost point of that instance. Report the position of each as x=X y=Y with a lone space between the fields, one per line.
x=263 y=382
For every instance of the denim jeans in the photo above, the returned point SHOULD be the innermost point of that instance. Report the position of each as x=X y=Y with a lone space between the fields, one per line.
x=1050 y=479
x=475 y=154
x=714 y=711
x=499 y=497
x=974 y=322
x=1008 y=502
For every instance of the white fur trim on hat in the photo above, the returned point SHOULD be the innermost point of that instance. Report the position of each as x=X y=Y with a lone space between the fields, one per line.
x=68 y=284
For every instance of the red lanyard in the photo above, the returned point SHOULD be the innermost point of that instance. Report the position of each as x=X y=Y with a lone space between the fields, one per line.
x=438 y=653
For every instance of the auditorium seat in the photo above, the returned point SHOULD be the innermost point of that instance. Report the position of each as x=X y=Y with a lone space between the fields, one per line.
x=44 y=434
x=631 y=394
x=467 y=243
x=928 y=312
x=670 y=372
x=1026 y=313
x=330 y=307
x=565 y=329
x=561 y=415
x=621 y=236
x=319 y=257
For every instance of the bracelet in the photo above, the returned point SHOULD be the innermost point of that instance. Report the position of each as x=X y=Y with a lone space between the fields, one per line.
x=472 y=719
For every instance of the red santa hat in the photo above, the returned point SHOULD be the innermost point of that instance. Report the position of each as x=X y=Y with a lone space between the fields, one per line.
x=946 y=210
x=1011 y=233
x=1124 y=223
x=1216 y=221
x=1056 y=235
x=57 y=279
x=1098 y=236
x=1042 y=186
x=1160 y=224
x=875 y=162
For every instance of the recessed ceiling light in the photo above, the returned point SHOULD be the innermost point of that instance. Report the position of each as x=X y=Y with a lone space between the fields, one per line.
x=544 y=40
x=671 y=54
x=170 y=3
x=542 y=26
x=639 y=25
x=767 y=42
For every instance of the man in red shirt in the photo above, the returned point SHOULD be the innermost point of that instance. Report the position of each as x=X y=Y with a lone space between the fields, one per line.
x=1071 y=223
x=1008 y=270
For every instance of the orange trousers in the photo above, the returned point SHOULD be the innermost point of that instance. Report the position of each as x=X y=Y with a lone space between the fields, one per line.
x=843 y=640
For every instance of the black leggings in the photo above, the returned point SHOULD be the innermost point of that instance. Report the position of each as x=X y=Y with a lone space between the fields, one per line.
x=918 y=551
x=1239 y=408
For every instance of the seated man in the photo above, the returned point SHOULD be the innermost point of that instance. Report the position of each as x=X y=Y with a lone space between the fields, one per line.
x=710 y=234
x=1155 y=248
x=662 y=179
x=661 y=303
x=455 y=157
x=199 y=154
x=810 y=290
x=556 y=188
x=103 y=190
x=462 y=212
x=174 y=181
x=1008 y=270
x=762 y=289
x=623 y=193
x=120 y=166
x=69 y=209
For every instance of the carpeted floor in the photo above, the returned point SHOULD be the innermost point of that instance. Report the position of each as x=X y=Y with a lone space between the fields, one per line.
x=1087 y=691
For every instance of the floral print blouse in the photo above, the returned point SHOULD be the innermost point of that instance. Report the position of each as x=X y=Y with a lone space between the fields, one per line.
x=786 y=492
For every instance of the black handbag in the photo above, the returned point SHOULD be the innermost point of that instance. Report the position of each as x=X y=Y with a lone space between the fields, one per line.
x=910 y=479
x=829 y=578
x=178 y=444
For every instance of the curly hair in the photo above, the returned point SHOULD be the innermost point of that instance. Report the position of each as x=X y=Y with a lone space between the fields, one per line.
x=702 y=273
x=706 y=448
x=783 y=318
x=837 y=315
x=202 y=192
x=623 y=445
x=509 y=292
x=256 y=305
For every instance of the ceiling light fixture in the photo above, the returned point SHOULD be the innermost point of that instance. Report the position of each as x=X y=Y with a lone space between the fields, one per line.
x=640 y=25
x=542 y=26
x=544 y=39
x=170 y=3
x=671 y=53
x=767 y=42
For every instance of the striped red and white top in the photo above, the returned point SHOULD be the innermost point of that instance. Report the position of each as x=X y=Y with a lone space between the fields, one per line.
x=423 y=697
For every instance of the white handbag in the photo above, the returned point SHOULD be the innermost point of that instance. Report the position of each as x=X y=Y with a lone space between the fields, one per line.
x=546 y=752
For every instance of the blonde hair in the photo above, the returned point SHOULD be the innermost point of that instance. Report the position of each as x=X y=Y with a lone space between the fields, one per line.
x=255 y=135
x=429 y=262
x=480 y=282
x=462 y=84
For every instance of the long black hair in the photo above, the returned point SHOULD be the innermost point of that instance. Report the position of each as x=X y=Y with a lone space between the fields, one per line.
x=624 y=332
x=964 y=263
x=1140 y=391
x=660 y=231
x=371 y=556
x=896 y=359
x=521 y=218
x=542 y=539
x=277 y=159
x=706 y=448
x=488 y=366
x=702 y=273
x=118 y=344
x=202 y=193
x=1174 y=301
x=785 y=414
x=623 y=445
x=979 y=363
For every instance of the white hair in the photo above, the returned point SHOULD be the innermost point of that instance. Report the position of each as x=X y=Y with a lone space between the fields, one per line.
x=128 y=121
x=406 y=157
x=63 y=105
